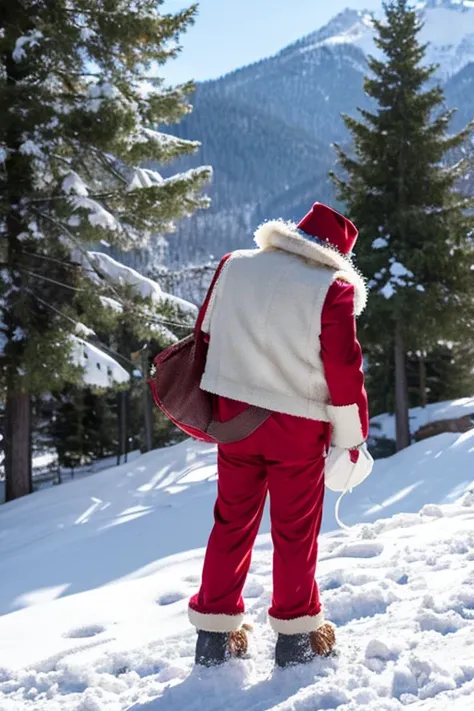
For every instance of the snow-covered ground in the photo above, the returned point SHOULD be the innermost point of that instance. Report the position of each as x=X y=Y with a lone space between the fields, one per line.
x=95 y=578
x=384 y=425
x=45 y=469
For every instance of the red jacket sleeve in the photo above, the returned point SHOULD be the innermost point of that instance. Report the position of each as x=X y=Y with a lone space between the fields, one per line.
x=343 y=366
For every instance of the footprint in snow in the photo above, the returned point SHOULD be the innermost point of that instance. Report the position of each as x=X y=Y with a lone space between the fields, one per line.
x=463 y=602
x=355 y=603
x=443 y=623
x=378 y=654
x=170 y=598
x=400 y=577
x=193 y=579
x=338 y=578
x=466 y=597
x=359 y=549
x=85 y=632
x=254 y=589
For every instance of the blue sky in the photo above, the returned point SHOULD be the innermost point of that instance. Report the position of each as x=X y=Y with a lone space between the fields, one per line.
x=231 y=33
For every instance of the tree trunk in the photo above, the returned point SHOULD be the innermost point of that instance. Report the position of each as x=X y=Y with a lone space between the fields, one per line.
x=401 y=392
x=147 y=405
x=18 y=445
x=423 y=393
x=122 y=420
x=17 y=167
x=127 y=419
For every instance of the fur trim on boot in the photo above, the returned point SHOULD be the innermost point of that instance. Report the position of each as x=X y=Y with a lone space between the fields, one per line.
x=239 y=641
x=323 y=640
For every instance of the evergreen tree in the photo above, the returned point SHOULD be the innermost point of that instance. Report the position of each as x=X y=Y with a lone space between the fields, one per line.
x=79 y=119
x=93 y=423
x=403 y=191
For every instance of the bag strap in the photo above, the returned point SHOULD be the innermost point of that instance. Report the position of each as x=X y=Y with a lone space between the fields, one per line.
x=337 y=509
x=205 y=306
x=239 y=427
x=348 y=490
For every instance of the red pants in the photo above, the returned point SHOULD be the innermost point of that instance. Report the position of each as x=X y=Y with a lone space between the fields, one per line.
x=284 y=457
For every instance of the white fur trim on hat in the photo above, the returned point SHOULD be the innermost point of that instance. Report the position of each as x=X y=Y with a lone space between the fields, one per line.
x=278 y=234
x=299 y=625
x=347 y=429
x=215 y=623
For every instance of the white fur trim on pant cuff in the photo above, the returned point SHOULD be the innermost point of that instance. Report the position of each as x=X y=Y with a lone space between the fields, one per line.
x=215 y=623
x=347 y=430
x=300 y=625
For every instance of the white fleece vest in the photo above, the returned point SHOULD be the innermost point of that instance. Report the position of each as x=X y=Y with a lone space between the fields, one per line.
x=264 y=321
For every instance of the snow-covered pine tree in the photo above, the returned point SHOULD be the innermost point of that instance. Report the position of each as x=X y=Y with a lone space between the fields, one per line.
x=137 y=321
x=146 y=321
x=404 y=191
x=79 y=122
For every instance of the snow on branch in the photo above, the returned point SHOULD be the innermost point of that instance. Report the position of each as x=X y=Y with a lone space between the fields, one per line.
x=146 y=288
x=190 y=175
x=100 y=91
x=100 y=369
x=98 y=215
x=400 y=276
x=166 y=140
x=74 y=184
x=144 y=178
x=31 y=39
x=111 y=304
x=164 y=333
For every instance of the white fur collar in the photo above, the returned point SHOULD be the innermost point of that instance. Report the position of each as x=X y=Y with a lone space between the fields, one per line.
x=278 y=234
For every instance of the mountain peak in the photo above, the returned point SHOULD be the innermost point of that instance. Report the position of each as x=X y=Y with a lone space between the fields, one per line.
x=449 y=36
x=348 y=27
x=343 y=22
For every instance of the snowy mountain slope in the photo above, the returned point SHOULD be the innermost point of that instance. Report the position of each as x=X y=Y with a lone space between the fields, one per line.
x=100 y=570
x=448 y=28
x=460 y=94
x=261 y=125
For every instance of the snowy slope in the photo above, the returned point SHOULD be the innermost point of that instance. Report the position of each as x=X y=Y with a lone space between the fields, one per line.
x=99 y=572
x=448 y=28
x=384 y=425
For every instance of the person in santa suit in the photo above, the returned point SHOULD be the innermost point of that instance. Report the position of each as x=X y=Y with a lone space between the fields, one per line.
x=281 y=330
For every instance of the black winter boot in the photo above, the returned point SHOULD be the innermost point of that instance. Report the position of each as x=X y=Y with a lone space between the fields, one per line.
x=216 y=648
x=295 y=649
x=212 y=648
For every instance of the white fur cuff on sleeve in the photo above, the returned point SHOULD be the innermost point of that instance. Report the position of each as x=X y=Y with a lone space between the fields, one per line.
x=347 y=430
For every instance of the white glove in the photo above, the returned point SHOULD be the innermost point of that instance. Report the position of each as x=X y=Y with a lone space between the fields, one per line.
x=342 y=473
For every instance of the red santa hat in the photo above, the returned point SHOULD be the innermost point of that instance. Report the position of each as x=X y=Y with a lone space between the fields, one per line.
x=325 y=224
